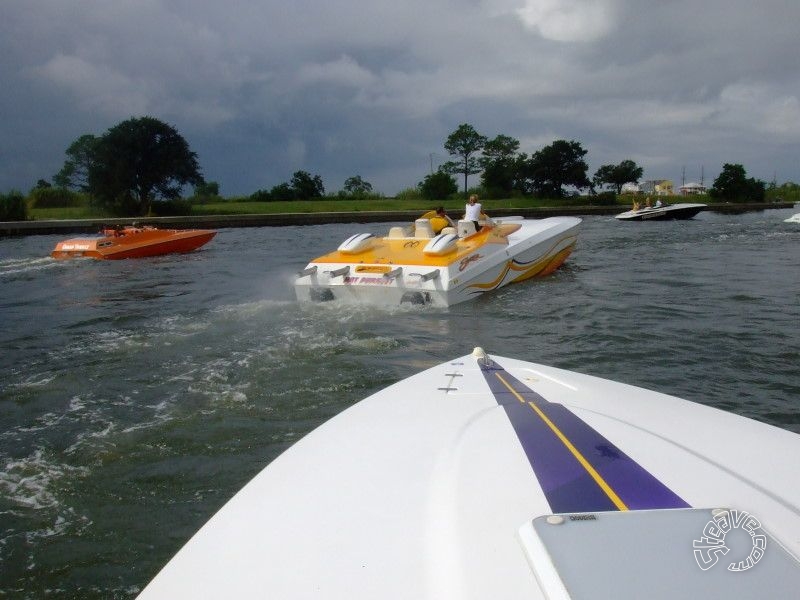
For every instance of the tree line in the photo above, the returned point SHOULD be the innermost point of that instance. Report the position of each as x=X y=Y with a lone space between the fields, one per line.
x=556 y=170
x=143 y=160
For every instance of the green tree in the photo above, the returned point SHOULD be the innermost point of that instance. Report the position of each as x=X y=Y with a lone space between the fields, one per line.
x=465 y=143
x=282 y=192
x=306 y=187
x=356 y=187
x=733 y=185
x=438 y=186
x=75 y=172
x=786 y=192
x=139 y=161
x=618 y=175
x=500 y=164
x=206 y=189
x=555 y=166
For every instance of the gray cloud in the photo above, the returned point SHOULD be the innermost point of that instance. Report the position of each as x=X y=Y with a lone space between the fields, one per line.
x=260 y=90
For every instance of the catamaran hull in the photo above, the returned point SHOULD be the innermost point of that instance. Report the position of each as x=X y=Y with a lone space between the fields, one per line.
x=533 y=251
x=491 y=477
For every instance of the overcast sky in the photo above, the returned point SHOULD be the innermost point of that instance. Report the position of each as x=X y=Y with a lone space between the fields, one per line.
x=261 y=89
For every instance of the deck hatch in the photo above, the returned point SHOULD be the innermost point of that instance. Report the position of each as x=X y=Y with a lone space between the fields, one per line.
x=650 y=554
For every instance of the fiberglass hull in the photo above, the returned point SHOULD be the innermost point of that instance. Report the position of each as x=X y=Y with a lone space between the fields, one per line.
x=133 y=242
x=662 y=213
x=491 y=477
x=393 y=271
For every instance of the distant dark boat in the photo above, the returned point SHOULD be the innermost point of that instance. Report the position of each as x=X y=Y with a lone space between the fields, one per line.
x=667 y=211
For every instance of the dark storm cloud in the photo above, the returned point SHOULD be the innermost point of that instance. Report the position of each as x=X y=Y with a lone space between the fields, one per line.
x=260 y=90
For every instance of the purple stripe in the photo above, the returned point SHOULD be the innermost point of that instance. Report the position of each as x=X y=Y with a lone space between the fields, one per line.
x=567 y=486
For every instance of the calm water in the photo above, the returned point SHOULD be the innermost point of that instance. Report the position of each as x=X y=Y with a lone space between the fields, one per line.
x=137 y=396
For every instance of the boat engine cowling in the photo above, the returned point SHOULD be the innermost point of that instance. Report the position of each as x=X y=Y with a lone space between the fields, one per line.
x=444 y=243
x=356 y=243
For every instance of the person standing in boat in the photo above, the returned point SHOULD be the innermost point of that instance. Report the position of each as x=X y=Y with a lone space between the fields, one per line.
x=472 y=212
x=444 y=220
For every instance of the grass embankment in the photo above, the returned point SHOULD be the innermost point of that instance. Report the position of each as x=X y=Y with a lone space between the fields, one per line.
x=379 y=204
x=233 y=207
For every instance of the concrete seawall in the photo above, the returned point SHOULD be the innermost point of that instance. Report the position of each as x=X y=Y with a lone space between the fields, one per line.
x=18 y=228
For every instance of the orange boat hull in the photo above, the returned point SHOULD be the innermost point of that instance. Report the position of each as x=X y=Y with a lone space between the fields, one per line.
x=133 y=242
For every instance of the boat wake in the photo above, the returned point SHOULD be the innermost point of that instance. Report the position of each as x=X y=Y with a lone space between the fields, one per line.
x=11 y=267
x=31 y=481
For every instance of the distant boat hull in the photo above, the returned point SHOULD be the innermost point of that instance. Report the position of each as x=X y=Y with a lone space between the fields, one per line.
x=133 y=242
x=662 y=213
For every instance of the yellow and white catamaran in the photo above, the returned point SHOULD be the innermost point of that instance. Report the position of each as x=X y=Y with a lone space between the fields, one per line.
x=414 y=264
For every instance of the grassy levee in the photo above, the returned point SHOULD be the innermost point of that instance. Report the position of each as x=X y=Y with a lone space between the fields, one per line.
x=85 y=218
x=324 y=205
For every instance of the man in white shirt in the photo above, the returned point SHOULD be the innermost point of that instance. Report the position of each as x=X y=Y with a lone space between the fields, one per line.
x=472 y=211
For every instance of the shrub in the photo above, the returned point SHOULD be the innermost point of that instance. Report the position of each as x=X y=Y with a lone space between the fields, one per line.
x=171 y=208
x=206 y=192
x=604 y=199
x=438 y=186
x=260 y=196
x=56 y=197
x=409 y=194
x=13 y=207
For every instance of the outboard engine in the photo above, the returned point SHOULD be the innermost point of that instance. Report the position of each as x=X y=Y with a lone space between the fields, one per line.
x=416 y=298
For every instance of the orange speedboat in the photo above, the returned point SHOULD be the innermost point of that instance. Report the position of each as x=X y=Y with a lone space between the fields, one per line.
x=133 y=242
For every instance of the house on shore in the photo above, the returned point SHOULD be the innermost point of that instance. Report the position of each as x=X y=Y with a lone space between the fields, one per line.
x=692 y=189
x=658 y=187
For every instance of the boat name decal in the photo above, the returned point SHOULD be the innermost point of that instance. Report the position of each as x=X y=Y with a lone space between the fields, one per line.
x=468 y=261
x=368 y=280
x=75 y=246
x=411 y=244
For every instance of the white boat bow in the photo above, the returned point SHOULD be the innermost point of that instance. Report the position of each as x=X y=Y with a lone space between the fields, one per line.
x=491 y=477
